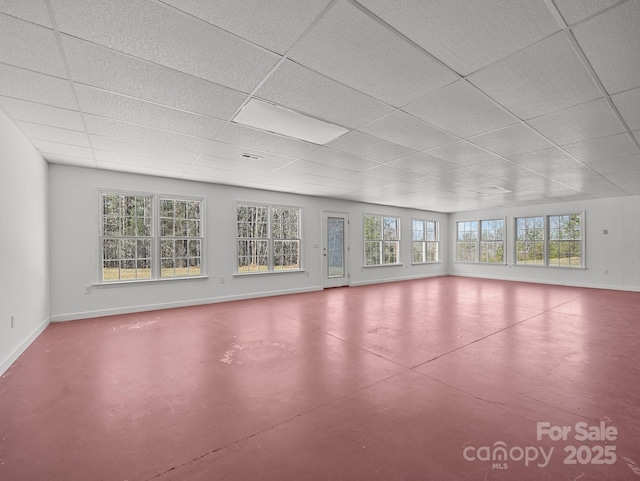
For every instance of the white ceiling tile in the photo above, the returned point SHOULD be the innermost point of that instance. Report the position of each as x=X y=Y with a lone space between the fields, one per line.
x=369 y=181
x=513 y=140
x=462 y=153
x=264 y=141
x=550 y=73
x=468 y=35
x=31 y=10
x=43 y=114
x=546 y=162
x=127 y=132
x=611 y=42
x=249 y=167
x=337 y=158
x=48 y=147
x=139 y=164
x=54 y=134
x=141 y=150
x=312 y=168
x=583 y=122
x=462 y=110
x=36 y=87
x=424 y=164
x=628 y=104
x=109 y=70
x=369 y=147
x=30 y=46
x=408 y=131
x=301 y=89
x=465 y=177
x=499 y=168
x=154 y=32
x=393 y=173
x=620 y=164
x=127 y=109
x=234 y=153
x=275 y=25
x=627 y=181
x=603 y=148
x=435 y=184
x=574 y=11
x=351 y=47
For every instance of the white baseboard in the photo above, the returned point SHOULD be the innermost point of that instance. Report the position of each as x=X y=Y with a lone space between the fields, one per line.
x=170 y=305
x=6 y=363
x=397 y=279
x=587 y=285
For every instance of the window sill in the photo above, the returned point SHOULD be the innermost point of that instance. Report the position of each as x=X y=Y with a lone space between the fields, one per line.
x=503 y=264
x=572 y=268
x=425 y=263
x=266 y=273
x=100 y=285
x=384 y=265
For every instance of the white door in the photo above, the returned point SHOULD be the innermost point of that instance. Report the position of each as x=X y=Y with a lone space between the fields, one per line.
x=335 y=249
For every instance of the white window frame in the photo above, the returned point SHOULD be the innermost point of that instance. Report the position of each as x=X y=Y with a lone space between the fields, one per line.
x=480 y=241
x=483 y=242
x=271 y=268
x=476 y=249
x=424 y=243
x=154 y=237
x=381 y=239
x=543 y=241
x=547 y=229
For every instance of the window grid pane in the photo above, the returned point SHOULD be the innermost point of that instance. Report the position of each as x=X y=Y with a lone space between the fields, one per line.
x=492 y=241
x=467 y=241
x=126 y=237
x=382 y=236
x=268 y=238
x=565 y=240
x=181 y=238
x=530 y=240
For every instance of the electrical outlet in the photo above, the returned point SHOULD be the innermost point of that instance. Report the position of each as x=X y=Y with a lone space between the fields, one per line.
x=222 y=280
x=88 y=289
x=13 y=322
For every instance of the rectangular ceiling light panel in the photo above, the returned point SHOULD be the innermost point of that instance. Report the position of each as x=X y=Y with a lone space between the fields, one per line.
x=278 y=120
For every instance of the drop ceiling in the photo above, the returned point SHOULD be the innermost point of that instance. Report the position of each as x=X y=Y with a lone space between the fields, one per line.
x=445 y=105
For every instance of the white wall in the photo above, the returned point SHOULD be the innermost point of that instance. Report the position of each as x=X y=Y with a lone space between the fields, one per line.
x=74 y=206
x=618 y=252
x=24 y=256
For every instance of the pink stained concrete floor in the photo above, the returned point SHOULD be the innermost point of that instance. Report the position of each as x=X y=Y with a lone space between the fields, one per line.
x=416 y=380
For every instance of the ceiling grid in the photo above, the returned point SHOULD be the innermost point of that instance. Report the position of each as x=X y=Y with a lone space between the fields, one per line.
x=448 y=105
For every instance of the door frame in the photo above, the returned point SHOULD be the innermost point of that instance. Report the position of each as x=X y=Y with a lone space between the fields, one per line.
x=335 y=281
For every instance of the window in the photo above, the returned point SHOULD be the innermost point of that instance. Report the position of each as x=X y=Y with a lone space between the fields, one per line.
x=480 y=241
x=126 y=240
x=381 y=240
x=132 y=249
x=492 y=241
x=530 y=240
x=467 y=241
x=554 y=240
x=268 y=238
x=565 y=240
x=425 y=241
x=180 y=238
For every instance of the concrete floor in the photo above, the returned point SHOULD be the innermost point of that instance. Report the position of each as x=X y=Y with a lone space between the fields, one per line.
x=417 y=380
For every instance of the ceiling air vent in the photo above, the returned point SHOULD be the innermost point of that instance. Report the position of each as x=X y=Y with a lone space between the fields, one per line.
x=251 y=157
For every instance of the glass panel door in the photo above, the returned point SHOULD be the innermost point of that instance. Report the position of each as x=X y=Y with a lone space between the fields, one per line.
x=335 y=249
